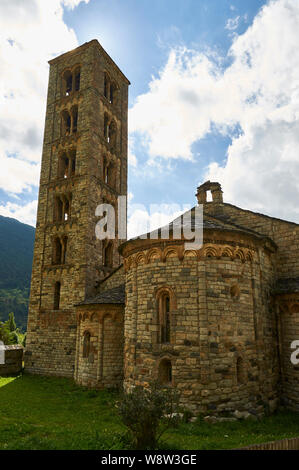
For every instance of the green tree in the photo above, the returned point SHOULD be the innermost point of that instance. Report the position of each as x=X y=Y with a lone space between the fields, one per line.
x=11 y=322
x=4 y=333
x=148 y=413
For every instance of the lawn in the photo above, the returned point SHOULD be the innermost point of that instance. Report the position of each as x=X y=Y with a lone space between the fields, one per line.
x=54 y=413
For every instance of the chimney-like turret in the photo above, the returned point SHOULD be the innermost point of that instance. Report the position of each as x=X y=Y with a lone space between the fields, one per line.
x=215 y=189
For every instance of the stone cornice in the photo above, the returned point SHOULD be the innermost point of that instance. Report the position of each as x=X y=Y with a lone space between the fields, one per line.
x=98 y=312
x=170 y=250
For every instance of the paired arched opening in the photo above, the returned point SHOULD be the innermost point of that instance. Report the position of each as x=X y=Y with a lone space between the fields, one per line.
x=110 y=131
x=69 y=121
x=67 y=164
x=66 y=122
x=62 y=207
x=71 y=81
x=110 y=89
x=59 y=250
x=109 y=173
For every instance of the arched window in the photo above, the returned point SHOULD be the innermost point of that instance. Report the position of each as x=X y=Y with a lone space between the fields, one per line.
x=57 y=251
x=62 y=207
x=66 y=164
x=64 y=249
x=77 y=75
x=73 y=163
x=235 y=291
x=66 y=211
x=58 y=209
x=67 y=82
x=165 y=372
x=63 y=166
x=112 y=134
x=65 y=122
x=108 y=255
x=71 y=81
x=240 y=370
x=164 y=318
x=113 y=91
x=86 y=344
x=57 y=295
x=106 y=126
x=108 y=172
x=75 y=118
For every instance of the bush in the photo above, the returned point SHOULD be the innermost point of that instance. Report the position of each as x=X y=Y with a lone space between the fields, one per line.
x=148 y=412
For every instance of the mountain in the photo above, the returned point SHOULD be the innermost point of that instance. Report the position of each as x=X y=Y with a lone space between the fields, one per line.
x=16 y=245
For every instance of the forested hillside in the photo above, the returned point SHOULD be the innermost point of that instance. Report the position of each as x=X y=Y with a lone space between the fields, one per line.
x=16 y=244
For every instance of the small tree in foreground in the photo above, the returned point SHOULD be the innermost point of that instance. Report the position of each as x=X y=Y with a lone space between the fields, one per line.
x=148 y=412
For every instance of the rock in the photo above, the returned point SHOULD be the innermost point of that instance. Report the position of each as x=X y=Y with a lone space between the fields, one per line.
x=210 y=419
x=241 y=414
x=226 y=420
x=273 y=405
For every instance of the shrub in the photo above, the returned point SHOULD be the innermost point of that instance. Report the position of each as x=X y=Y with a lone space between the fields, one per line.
x=148 y=412
x=11 y=322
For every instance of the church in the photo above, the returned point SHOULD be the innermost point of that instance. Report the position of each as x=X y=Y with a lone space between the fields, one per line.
x=216 y=322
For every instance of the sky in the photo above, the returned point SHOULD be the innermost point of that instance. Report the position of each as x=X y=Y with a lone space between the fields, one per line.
x=214 y=95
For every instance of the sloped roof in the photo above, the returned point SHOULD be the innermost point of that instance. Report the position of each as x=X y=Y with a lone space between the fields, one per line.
x=287 y=285
x=111 y=296
x=210 y=222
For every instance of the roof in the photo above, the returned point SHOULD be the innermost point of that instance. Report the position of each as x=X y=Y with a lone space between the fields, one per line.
x=256 y=213
x=84 y=46
x=210 y=222
x=9 y=347
x=111 y=296
x=287 y=285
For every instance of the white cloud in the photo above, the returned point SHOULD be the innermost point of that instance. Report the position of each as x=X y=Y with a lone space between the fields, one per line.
x=258 y=93
x=73 y=3
x=232 y=23
x=17 y=175
x=25 y=213
x=31 y=33
x=132 y=159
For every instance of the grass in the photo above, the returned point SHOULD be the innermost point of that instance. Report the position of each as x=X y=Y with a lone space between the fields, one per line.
x=54 y=413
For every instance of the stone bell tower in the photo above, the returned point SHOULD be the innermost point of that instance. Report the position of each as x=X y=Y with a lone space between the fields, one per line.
x=84 y=164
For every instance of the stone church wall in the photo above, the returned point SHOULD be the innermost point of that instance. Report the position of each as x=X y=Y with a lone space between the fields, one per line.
x=222 y=349
x=51 y=337
x=102 y=365
x=286 y=236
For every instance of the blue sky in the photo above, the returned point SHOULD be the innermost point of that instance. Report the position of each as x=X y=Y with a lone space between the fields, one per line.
x=138 y=35
x=213 y=95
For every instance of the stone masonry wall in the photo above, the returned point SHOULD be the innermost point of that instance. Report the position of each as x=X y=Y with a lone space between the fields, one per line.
x=51 y=339
x=286 y=236
x=289 y=331
x=116 y=279
x=212 y=331
x=13 y=360
x=104 y=365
